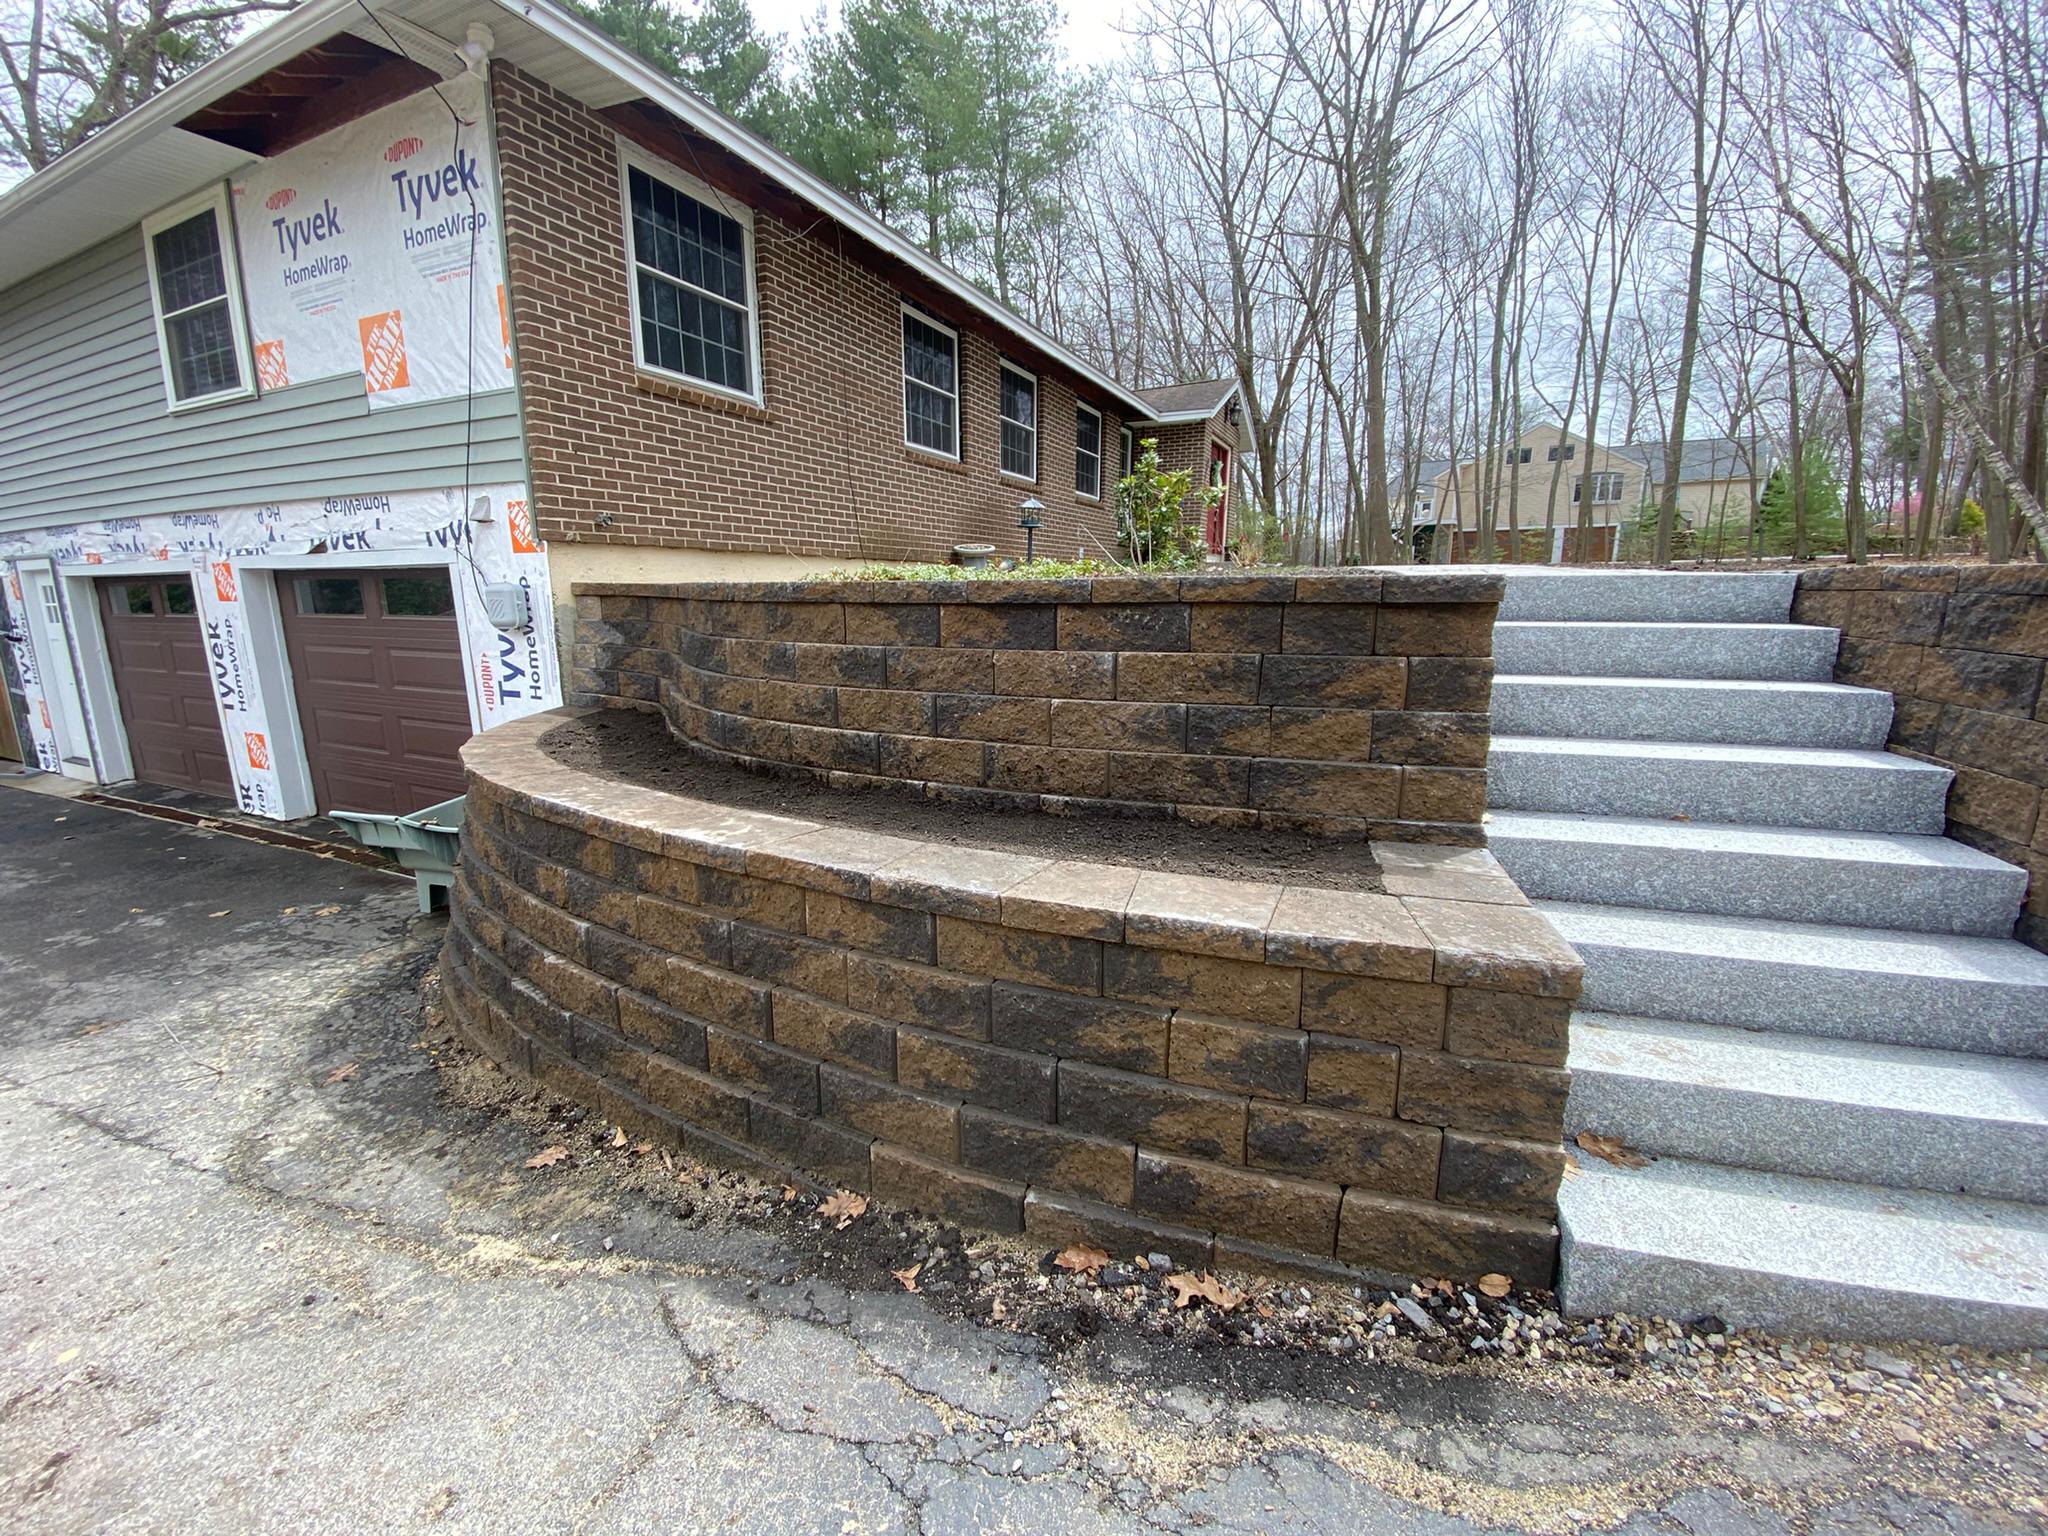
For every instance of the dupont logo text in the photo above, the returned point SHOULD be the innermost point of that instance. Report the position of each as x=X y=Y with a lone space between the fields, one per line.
x=281 y=199
x=403 y=149
x=224 y=581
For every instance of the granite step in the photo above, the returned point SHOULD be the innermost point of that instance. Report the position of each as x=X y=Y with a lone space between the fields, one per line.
x=1596 y=648
x=1923 y=884
x=1824 y=788
x=1943 y=1121
x=1710 y=597
x=1886 y=986
x=1790 y=1254
x=1752 y=713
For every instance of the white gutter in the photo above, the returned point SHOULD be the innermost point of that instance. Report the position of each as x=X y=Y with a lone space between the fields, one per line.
x=285 y=38
x=722 y=130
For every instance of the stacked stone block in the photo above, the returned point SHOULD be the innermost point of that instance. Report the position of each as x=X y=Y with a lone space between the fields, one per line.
x=1229 y=1072
x=1343 y=701
x=1962 y=650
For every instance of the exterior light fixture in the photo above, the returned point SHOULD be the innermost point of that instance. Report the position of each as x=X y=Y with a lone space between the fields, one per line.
x=1030 y=506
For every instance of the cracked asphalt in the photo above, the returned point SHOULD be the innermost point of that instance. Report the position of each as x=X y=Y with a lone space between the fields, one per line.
x=261 y=1270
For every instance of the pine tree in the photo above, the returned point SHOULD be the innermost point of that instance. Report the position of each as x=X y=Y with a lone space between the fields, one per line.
x=713 y=49
x=1824 y=522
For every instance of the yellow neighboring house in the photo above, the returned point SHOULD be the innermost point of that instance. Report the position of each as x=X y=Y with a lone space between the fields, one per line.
x=1544 y=458
x=1720 y=480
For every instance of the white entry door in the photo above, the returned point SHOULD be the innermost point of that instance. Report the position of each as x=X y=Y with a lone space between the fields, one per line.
x=53 y=661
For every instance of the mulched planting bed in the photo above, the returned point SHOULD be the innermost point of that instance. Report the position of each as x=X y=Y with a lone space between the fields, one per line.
x=637 y=749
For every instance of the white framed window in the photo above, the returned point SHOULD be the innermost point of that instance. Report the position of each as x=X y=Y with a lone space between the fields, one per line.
x=195 y=288
x=1129 y=459
x=690 y=265
x=1087 y=452
x=1019 y=411
x=931 y=385
x=1606 y=488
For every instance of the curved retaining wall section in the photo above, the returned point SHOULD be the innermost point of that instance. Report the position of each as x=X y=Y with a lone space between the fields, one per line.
x=1227 y=1072
x=1343 y=701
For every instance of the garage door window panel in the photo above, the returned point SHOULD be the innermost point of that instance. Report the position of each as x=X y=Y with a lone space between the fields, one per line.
x=378 y=672
x=163 y=682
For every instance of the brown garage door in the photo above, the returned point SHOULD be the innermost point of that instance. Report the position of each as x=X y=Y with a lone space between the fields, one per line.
x=164 y=683
x=377 y=668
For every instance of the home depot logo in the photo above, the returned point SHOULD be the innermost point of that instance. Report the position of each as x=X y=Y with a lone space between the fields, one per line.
x=14 y=586
x=258 y=748
x=43 y=708
x=224 y=581
x=383 y=339
x=519 y=524
x=281 y=199
x=403 y=149
x=271 y=372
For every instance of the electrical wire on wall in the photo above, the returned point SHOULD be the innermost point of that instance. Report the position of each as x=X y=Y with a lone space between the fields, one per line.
x=463 y=546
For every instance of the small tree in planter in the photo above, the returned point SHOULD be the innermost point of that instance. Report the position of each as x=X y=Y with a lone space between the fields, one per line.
x=1150 y=511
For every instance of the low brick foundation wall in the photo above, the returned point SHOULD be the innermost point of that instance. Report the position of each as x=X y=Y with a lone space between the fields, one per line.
x=1340 y=702
x=1227 y=1072
x=1962 y=649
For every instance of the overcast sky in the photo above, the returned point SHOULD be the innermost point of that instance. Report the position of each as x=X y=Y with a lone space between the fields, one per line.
x=1090 y=32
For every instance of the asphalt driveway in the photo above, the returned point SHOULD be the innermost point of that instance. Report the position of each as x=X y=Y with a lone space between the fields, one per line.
x=271 y=1260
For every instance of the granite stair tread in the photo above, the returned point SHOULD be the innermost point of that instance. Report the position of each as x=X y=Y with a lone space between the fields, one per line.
x=1672 y=649
x=1944 y=990
x=1536 y=593
x=1794 y=1254
x=1946 y=1121
x=1857 y=878
x=1844 y=788
x=1756 y=712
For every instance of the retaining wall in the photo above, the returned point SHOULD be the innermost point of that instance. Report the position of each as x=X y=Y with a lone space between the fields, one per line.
x=1346 y=702
x=1962 y=650
x=1224 y=1071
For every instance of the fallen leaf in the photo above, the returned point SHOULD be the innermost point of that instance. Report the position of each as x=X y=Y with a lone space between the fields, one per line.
x=1264 y=1310
x=788 y=1193
x=223 y=912
x=844 y=1209
x=325 y=911
x=1572 y=1170
x=68 y=1356
x=1678 y=816
x=547 y=1157
x=287 y=912
x=1143 y=1263
x=1081 y=1259
x=1207 y=1287
x=907 y=1278
x=997 y=1311
x=1495 y=1286
x=341 y=1074
x=618 y=1135
x=1610 y=1149
x=136 y=909
x=668 y=1162
x=642 y=1148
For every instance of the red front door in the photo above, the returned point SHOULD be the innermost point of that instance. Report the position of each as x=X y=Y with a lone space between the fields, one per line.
x=1219 y=476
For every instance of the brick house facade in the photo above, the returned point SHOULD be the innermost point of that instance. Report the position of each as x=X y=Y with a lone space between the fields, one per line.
x=621 y=455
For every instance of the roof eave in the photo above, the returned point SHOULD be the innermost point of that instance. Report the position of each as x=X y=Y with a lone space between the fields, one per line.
x=284 y=38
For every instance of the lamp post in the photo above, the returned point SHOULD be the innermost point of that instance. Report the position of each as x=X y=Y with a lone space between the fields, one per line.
x=1030 y=506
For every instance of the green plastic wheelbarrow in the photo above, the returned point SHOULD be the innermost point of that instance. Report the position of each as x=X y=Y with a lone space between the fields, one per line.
x=425 y=842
